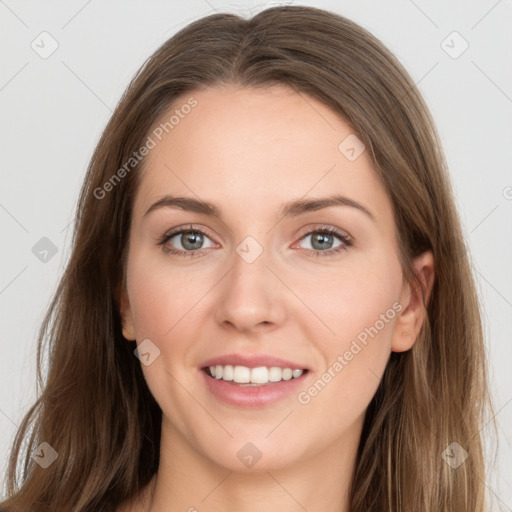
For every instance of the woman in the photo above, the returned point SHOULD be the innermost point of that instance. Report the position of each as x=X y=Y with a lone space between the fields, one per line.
x=201 y=356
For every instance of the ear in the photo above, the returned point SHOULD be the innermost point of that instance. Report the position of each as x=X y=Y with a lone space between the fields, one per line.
x=126 y=313
x=414 y=299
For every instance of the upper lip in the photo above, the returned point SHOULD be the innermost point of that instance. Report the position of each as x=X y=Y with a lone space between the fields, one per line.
x=252 y=361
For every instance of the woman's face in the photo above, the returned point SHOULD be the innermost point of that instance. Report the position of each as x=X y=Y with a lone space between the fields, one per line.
x=262 y=279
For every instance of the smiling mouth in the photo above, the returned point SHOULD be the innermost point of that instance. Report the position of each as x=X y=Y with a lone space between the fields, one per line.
x=253 y=377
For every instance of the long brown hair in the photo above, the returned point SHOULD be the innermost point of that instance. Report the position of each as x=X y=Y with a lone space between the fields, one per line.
x=94 y=407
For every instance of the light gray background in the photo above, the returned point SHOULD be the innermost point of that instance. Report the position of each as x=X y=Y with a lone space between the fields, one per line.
x=54 y=109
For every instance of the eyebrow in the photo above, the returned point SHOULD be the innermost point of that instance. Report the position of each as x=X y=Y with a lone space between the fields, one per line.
x=292 y=208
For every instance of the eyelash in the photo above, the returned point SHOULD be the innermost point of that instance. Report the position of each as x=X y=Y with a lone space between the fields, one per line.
x=346 y=239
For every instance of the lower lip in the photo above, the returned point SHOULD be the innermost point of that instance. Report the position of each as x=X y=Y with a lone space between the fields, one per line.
x=252 y=396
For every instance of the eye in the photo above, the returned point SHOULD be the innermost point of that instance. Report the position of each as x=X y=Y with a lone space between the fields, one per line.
x=189 y=241
x=323 y=241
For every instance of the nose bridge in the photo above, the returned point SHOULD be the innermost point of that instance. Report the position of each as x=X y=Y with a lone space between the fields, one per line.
x=250 y=262
x=249 y=295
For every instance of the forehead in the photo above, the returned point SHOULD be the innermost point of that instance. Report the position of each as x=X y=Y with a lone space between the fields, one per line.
x=254 y=148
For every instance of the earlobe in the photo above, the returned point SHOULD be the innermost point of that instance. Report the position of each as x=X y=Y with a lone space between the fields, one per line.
x=126 y=314
x=414 y=299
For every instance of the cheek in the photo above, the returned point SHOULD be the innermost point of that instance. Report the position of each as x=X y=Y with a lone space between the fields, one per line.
x=160 y=298
x=360 y=307
x=165 y=303
x=355 y=300
x=168 y=307
x=354 y=359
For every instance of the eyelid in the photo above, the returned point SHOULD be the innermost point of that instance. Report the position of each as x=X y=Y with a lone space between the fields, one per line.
x=327 y=228
x=187 y=227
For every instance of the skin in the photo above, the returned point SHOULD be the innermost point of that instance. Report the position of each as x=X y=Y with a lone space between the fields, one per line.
x=248 y=151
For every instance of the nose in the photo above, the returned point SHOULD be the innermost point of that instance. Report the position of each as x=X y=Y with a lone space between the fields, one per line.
x=251 y=297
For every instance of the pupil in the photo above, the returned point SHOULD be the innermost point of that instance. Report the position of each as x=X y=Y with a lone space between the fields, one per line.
x=322 y=238
x=188 y=240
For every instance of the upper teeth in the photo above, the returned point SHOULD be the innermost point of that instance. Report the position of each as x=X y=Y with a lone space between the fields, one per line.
x=259 y=375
